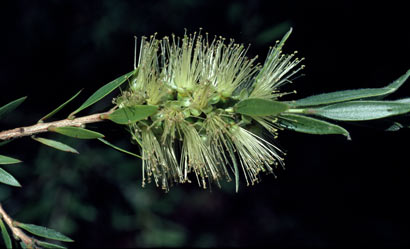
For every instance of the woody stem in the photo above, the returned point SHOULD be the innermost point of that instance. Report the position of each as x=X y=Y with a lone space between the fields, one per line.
x=44 y=127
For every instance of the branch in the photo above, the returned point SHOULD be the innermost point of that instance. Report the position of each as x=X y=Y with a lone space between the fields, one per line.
x=44 y=127
x=17 y=232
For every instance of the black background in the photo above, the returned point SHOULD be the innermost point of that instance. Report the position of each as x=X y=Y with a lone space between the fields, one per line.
x=333 y=193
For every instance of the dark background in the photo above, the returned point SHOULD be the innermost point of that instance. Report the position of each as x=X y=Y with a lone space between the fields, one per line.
x=333 y=193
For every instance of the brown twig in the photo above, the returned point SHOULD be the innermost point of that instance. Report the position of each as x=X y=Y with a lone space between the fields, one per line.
x=44 y=127
x=17 y=232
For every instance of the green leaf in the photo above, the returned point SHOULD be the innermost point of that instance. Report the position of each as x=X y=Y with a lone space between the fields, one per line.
x=347 y=95
x=8 y=179
x=76 y=132
x=272 y=57
x=23 y=245
x=118 y=148
x=310 y=125
x=394 y=127
x=55 y=144
x=132 y=114
x=272 y=33
x=103 y=91
x=235 y=166
x=405 y=101
x=8 y=160
x=236 y=171
x=260 y=107
x=11 y=106
x=44 y=232
x=5 y=234
x=361 y=110
x=399 y=82
x=2 y=143
x=44 y=244
x=59 y=108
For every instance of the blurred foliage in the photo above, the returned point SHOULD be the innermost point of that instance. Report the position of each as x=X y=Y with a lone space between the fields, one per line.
x=99 y=192
x=91 y=191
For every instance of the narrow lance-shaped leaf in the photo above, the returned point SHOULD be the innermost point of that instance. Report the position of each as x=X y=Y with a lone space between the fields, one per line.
x=8 y=160
x=132 y=114
x=59 y=108
x=44 y=232
x=360 y=110
x=272 y=33
x=2 y=143
x=8 y=179
x=11 y=106
x=44 y=244
x=236 y=171
x=276 y=52
x=76 y=132
x=310 y=125
x=260 y=107
x=5 y=234
x=55 y=144
x=347 y=95
x=118 y=148
x=104 y=91
x=405 y=101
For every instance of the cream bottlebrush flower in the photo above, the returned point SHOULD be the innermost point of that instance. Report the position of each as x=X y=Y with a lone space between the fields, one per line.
x=195 y=82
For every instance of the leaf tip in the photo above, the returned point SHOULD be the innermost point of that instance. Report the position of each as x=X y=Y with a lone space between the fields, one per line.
x=16 y=184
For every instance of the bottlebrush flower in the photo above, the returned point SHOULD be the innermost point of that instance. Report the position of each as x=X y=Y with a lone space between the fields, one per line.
x=196 y=82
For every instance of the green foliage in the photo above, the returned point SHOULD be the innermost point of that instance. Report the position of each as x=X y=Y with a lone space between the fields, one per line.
x=348 y=95
x=349 y=105
x=104 y=91
x=49 y=245
x=8 y=179
x=269 y=35
x=44 y=232
x=127 y=214
x=260 y=107
x=360 y=110
x=60 y=107
x=8 y=160
x=236 y=172
x=76 y=132
x=394 y=127
x=405 y=100
x=310 y=125
x=273 y=56
x=345 y=106
x=56 y=145
x=5 y=235
x=5 y=142
x=11 y=106
x=118 y=148
x=132 y=114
